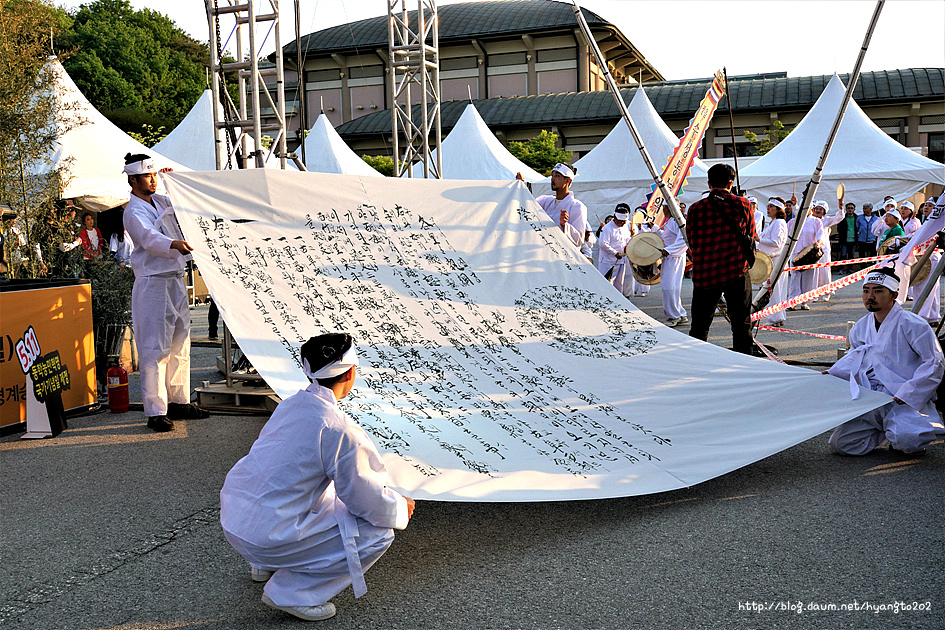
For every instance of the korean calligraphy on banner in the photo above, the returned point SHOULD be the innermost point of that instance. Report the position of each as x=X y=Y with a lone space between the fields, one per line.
x=496 y=363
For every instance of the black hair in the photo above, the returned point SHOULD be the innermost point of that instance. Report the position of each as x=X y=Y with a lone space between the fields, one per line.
x=622 y=207
x=721 y=175
x=324 y=349
x=87 y=214
x=137 y=157
x=888 y=271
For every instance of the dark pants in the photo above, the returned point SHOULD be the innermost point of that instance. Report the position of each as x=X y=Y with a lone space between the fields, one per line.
x=866 y=250
x=738 y=301
x=847 y=251
x=213 y=317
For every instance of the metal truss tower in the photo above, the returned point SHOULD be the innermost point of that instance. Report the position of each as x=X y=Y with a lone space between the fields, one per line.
x=244 y=118
x=414 y=67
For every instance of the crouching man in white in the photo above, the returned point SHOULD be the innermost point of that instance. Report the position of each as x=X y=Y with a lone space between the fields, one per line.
x=892 y=351
x=309 y=507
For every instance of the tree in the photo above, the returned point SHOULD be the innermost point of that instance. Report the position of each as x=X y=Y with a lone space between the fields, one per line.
x=31 y=120
x=774 y=137
x=380 y=163
x=541 y=152
x=136 y=67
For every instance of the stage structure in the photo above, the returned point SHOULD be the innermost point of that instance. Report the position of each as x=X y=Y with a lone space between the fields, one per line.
x=413 y=63
x=231 y=141
x=244 y=390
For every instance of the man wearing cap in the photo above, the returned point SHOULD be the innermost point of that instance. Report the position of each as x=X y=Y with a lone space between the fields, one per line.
x=309 y=507
x=721 y=230
x=671 y=272
x=566 y=211
x=865 y=239
x=613 y=240
x=895 y=352
x=160 y=307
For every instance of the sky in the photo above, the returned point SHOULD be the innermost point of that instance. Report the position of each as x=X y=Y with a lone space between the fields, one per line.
x=800 y=37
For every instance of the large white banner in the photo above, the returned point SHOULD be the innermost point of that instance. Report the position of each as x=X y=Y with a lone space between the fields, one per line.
x=496 y=363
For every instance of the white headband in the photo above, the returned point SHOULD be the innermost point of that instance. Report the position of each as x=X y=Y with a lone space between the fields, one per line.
x=140 y=168
x=819 y=204
x=777 y=203
x=907 y=204
x=621 y=215
x=336 y=368
x=877 y=277
x=564 y=169
x=753 y=200
x=895 y=213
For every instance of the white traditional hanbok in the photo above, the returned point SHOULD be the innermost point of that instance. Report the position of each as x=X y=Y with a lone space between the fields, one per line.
x=577 y=214
x=824 y=273
x=672 y=270
x=614 y=239
x=931 y=310
x=804 y=281
x=310 y=502
x=771 y=242
x=903 y=359
x=160 y=305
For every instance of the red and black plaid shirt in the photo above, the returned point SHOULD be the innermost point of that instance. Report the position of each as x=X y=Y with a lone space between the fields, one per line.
x=717 y=255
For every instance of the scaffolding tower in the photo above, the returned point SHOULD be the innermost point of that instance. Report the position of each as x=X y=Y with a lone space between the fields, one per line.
x=414 y=68
x=243 y=119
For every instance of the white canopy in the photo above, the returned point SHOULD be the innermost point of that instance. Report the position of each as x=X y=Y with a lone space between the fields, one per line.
x=91 y=149
x=191 y=142
x=471 y=151
x=614 y=171
x=863 y=157
x=326 y=152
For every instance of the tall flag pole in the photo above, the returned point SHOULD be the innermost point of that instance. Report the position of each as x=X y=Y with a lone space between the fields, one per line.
x=814 y=182
x=731 y=125
x=622 y=107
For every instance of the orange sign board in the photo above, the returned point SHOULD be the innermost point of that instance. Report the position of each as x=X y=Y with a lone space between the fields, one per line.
x=62 y=320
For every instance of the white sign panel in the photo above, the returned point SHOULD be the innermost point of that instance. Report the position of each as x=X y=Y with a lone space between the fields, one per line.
x=496 y=363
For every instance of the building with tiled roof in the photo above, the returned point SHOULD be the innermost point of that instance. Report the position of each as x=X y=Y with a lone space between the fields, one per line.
x=907 y=104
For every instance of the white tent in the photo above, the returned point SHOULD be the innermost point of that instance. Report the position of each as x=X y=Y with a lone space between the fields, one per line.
x=863 y=158
x=614 y=171
x=326 y=152
x=191 y=142
x=91 y=149
x=471 y=151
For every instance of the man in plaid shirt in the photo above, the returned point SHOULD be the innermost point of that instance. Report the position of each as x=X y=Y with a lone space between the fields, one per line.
x=719 y=262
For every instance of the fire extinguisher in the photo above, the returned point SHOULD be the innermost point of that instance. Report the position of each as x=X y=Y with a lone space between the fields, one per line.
x=117 y=379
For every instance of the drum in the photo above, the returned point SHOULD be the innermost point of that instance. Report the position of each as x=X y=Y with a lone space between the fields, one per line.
x=644 y=248
x=808 y=256
x=647 y=274
x=892 y=245
x=919 y=274
x=761 y=270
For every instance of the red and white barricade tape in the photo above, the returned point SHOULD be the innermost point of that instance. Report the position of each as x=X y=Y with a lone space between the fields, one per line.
x=818 y=292
x=801 y=332
x=767 y=352
x=837 y=263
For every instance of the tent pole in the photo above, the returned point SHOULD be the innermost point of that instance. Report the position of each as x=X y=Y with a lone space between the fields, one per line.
x=668 y=197
x=811 y=189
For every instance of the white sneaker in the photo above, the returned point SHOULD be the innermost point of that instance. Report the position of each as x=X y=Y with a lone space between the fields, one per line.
x=260 y=575
x=308 y=613
x=682 y=320
x=672 y=322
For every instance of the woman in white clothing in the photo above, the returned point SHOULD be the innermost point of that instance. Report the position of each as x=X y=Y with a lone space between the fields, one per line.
x=771 y=242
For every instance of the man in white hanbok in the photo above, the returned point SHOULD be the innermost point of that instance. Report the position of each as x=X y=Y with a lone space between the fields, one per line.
x=672 y=270
x=895 y=352
x=613 y=240
x=309 y=506
x=561 y=207
x=771 y=242
x=804 y=281
x=819 y=210
x=160 y=306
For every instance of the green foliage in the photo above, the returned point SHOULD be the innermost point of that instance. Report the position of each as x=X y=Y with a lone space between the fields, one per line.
x=266 y=142
x=775 y=135
x=149 y=136
x=136 y=67
x=380 y=163
x=541 y=152
x=28 y=112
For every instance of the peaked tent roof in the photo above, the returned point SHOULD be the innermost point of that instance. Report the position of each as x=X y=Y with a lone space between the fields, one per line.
x=614 y=171
x=191 y=142
x=471 y=151
x=863 y=157
x=91 y=149
x=326 y=152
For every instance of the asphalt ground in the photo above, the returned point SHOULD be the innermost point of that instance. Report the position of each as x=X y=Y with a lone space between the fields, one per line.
x=112 y=527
